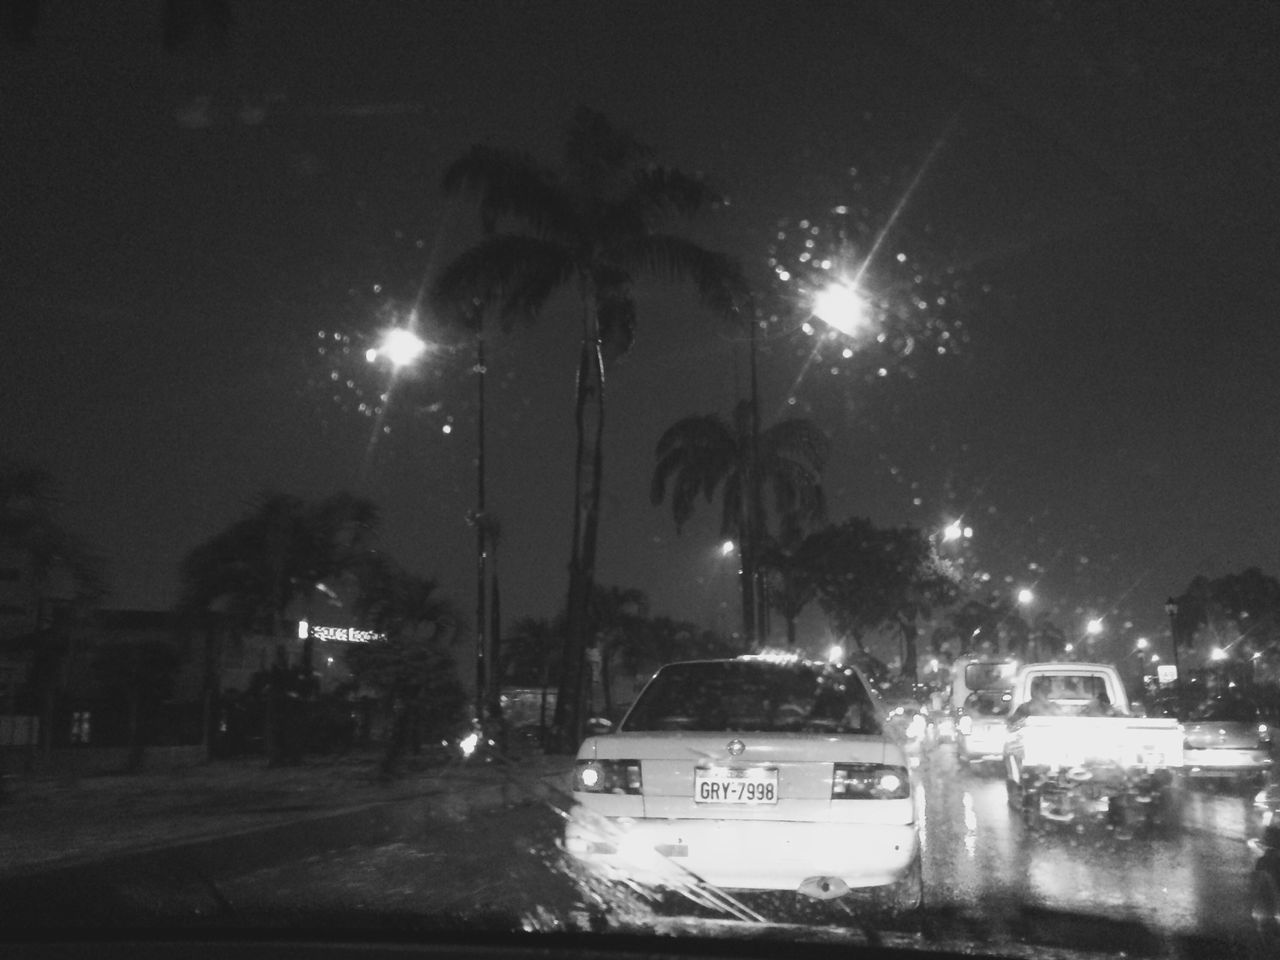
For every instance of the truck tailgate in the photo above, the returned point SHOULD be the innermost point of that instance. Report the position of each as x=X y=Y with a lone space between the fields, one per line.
x=1078 y=741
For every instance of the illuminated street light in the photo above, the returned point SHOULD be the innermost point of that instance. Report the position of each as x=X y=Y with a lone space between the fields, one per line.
x=842 y=308
x=727 y=548
x=835 y=654
x=956 y=530
x=1218 y=654
x=1093 y=627
x=1026 y=596
x=401 y=348
x=1141 y=643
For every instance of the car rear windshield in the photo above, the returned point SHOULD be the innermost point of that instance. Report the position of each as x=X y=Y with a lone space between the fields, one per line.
x=993 y=704
x=1228 y=710
x=754 y=696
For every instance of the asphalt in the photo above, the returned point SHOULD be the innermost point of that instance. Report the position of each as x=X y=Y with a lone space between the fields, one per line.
x=236 y=809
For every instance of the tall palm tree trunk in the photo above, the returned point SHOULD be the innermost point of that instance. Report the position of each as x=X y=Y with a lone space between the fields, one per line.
x=589 y=472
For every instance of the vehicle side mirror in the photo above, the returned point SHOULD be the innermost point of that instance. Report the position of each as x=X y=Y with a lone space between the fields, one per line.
x=599 y=726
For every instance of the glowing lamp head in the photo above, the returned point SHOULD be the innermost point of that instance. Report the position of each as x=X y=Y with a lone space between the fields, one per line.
x=842 y=308
x=402 y=347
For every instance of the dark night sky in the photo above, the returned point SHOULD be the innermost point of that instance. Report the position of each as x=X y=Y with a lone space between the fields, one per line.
x=1102 y=185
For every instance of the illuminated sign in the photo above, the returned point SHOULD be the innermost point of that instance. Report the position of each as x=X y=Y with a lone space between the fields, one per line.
x=1167 y=673
x=339 y=634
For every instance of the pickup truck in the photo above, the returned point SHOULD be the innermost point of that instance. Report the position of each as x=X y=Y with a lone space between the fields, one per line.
x=1074 y=752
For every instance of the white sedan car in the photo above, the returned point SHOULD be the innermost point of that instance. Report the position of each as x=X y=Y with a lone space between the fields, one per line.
x=760 y=773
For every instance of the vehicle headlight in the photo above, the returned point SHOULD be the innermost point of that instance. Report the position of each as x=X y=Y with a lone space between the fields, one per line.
x=869 y=781
x=966 y=725
x=916 y=727
x=607 y=776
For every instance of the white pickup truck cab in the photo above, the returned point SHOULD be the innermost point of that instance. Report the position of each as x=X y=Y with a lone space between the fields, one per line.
x=1074 y=751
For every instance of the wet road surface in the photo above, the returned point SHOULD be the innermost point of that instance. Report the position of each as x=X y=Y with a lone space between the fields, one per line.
x=988 y=879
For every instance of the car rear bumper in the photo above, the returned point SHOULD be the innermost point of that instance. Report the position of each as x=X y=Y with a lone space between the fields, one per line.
x=1223 y=761
x=740 y=854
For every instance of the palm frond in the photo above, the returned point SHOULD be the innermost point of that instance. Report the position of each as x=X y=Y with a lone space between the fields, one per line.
x=717 y=277
x=798 y=440
x=511 y=184
x=696 y=454
x=598 y=155
x=514 y=273
x=658 y=189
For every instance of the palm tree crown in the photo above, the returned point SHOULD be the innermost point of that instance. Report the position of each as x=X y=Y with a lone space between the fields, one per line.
x=701 y=455
x=593 y=226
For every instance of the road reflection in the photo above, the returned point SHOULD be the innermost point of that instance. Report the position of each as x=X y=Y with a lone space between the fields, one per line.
x=983 y=861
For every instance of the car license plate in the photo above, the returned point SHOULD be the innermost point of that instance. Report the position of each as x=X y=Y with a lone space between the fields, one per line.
x=752 y=785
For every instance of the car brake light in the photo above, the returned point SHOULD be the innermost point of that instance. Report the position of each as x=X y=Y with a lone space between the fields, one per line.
x=607 y=776
x=966 y=725
x=869 y=781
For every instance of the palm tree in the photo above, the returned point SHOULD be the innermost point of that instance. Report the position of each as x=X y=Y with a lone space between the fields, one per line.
x=781 y=560
x=702 y=455
x=593 y=226
x=411 y=668
x=247 y=578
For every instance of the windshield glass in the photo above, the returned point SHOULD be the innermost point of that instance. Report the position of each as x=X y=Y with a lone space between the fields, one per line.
x=389 y=391
x=753 y=697
x=993 y=703
x=1230 y=710
x=983 y=676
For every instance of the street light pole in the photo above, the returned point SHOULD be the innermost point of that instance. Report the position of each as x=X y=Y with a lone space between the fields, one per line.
x=1171 y=608
x=482 y=537
x=755 y=631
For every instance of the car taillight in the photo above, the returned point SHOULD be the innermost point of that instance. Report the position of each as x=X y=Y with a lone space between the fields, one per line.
x=869 y=781
x=1264 y=735
x=966 y=725
x=607 y=776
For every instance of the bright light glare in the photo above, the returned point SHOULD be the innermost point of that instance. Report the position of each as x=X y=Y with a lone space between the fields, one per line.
x=726 y=548
x=953 y=531
x=402 y=347
x=843 y=308
x=469 y=743
x=1094 y=626
x=1142 y=643
x=835 y=654
x=1026 y=596
x=1218 y=654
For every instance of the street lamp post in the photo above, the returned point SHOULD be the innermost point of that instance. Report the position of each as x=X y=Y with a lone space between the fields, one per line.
x=1171 y=608
x=402 y=347
x=482 y=537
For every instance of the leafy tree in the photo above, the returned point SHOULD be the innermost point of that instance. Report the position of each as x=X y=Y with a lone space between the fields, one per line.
x=789 y=587
x=592 y=227
x=247 y=577
x=701 y=456
x=1239 y=612
x=1047 y=638
x=412 y=670
x=868 y=577
x=977 y=621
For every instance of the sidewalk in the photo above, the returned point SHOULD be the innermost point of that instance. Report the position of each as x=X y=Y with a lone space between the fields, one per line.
x=48 y=823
